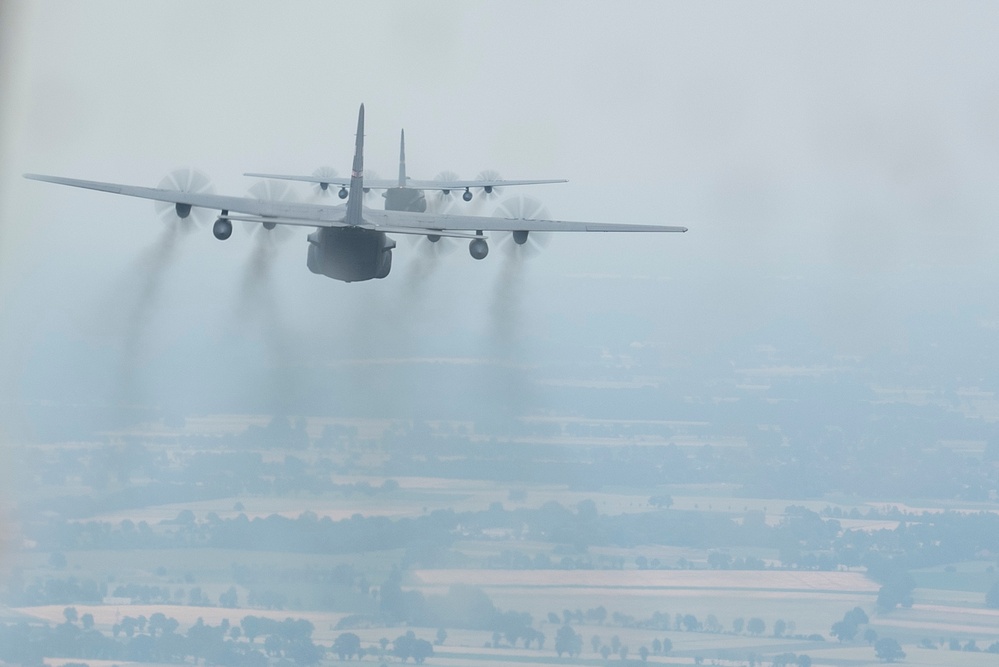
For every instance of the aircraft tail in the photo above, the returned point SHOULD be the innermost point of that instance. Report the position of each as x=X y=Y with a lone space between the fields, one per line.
x=355 y=195
x=402 y=159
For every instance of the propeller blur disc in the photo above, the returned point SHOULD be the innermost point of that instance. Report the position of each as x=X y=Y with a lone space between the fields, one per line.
x=185 y=180
x=490 y=175
x=270 y=190
x=525 y=242
x=446 y=177
x=329 y=190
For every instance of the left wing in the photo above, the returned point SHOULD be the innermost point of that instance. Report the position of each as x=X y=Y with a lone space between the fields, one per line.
x=288 y=213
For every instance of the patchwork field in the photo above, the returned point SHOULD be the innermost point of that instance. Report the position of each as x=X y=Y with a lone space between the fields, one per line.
x=940 y=620
x=770 y=580
x=948 y=600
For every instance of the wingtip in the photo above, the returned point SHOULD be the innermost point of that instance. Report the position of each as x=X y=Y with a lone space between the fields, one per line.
x=38 y=177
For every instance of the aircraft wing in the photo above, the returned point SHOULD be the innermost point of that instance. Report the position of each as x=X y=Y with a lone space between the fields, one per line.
x=289 y=213
x=318 y=215
x=432 y=222
x=486 y=183
x=369 y=183
x=385 y=184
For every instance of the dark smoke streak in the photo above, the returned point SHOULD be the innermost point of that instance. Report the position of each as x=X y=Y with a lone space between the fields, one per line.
x=258 y=302
x=147 y=274
x=507 y=319
x=422 y=265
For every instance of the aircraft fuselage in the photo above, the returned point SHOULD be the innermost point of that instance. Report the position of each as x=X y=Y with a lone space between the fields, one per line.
x=405 y=199
x=353 y=254
x=350 y=254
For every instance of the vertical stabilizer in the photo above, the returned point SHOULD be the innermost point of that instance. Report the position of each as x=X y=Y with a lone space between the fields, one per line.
x=356 y=195
x=402 y=159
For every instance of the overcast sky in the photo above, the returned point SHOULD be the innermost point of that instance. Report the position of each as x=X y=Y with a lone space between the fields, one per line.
x=849 y=146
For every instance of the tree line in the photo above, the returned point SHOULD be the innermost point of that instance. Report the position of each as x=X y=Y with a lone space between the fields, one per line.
x=254 y=642
x=805 y=539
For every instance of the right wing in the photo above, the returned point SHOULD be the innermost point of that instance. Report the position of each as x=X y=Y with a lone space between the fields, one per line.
x=431 y=223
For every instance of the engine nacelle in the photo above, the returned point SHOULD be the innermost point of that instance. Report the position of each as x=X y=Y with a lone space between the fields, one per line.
x=222 y=229
x=342 y=194
x=467 y=195
x=183 y=210
x=520 y=237
x=269 y=225
x=324 y=186
x=478 y=248
x=433 y=238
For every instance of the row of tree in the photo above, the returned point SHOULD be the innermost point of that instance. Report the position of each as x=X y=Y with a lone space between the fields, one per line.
x=157 y=639
x=773 y=464
x=920 y=541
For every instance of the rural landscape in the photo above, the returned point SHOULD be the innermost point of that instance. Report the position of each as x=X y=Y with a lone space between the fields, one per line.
x=694 y=535
x=548 y=437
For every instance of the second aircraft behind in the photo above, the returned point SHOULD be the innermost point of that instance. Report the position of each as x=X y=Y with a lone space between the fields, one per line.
x=406 y=194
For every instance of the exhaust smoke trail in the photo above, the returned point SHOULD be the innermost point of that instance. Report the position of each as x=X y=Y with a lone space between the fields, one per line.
x=507 y=319
x=422 y=264
x=254 y=285
x=506 y=308
x=257 y=302
x=427 y=256
x=147 y=275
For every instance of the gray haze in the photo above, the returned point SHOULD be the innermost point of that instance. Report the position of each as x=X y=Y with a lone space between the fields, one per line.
x=801 y=390
x=836 y=165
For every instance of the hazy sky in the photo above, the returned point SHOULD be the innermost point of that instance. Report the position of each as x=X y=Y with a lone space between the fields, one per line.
x=846 y=149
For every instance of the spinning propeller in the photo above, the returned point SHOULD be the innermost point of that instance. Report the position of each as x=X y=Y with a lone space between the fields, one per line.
x=522 y=243
x=270 y=190
x=323 y=189
x=437 y=246
x=446 y=177
x=185 y=180
x=490 y=175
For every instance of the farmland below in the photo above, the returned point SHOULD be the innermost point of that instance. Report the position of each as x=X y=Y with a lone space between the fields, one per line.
x=250 y=540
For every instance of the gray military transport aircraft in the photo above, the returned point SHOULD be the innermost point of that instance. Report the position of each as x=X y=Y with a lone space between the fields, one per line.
x=351 y=242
